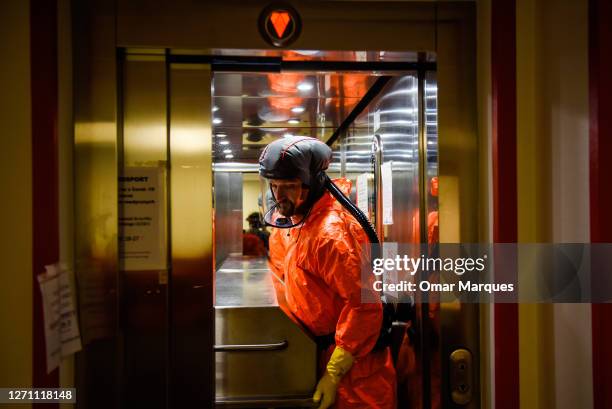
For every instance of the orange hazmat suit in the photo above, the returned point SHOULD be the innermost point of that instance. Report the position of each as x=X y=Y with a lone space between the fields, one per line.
x=317 y=276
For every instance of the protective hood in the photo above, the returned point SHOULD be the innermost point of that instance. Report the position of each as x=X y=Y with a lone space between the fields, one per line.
x=293 y=157
x=296 y=157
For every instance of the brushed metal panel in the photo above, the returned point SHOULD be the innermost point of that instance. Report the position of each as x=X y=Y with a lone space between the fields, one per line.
x=144 y=111
x=144 y=309
x=191 y=280
x=429 y=124
x=397 y=108
x=95 y=197
x=364 y=25
x=247 y=313
x=459 y=194
x=286 y=373
x=228 y=215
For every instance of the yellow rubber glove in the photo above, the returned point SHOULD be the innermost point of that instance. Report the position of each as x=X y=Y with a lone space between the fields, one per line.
x=339 y=364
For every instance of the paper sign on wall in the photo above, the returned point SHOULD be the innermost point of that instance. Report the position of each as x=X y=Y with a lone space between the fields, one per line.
x=142 y=236
x=62 y=336
x=362 y=194
x=387 y=191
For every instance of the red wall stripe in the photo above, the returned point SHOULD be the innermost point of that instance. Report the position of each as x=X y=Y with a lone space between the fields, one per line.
x=600 y=141
x=503 y=72
x=45 y=216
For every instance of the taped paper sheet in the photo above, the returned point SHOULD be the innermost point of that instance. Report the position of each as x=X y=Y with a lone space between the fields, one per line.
x=362 y=194
x=62 y=334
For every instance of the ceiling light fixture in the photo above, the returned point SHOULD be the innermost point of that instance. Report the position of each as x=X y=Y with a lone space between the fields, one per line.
x=217 y=121
x=297 y=110
x=229 y=156
x=227 y=151
x=304 y=86
x=294 y=121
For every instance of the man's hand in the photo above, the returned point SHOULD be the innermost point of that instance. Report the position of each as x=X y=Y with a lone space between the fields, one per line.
x=339 y=364
x=326 y=389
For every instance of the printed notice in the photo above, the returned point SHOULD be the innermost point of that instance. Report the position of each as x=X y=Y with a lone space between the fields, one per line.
x=362 y=194
x=142 y=223
x=62 y=336
x=387 y=191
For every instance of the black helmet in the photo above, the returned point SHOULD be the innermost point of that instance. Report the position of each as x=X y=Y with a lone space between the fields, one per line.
x=296 y=157
x=254 y=217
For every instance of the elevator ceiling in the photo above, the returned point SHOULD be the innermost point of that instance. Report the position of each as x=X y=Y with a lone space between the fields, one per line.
x=252 y=109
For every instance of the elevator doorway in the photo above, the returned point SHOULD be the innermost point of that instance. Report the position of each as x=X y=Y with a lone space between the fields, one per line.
x=372 y=118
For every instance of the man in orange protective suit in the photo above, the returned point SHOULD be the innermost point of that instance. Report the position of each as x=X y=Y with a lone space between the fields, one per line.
x=317 y=258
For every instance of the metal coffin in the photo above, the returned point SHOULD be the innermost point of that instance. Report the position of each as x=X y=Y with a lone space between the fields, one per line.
x=262 y=357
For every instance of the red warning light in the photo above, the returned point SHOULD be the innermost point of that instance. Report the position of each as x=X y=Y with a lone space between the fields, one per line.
x=279 y=24
x=280 y=19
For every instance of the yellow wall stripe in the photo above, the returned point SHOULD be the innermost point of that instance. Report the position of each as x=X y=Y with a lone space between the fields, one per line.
x=536 y=335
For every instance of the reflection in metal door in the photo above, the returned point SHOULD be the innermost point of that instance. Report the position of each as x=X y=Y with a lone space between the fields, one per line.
x=166 y=332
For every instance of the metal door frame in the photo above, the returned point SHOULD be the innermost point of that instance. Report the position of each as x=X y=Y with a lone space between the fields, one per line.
x=100 y=28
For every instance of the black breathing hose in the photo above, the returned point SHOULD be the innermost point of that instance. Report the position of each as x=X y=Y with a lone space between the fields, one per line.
x=357 y=214
x=384 y=338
